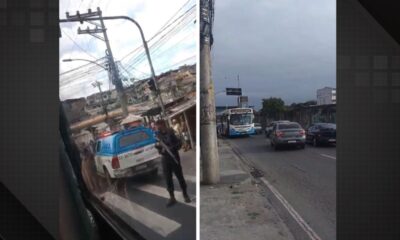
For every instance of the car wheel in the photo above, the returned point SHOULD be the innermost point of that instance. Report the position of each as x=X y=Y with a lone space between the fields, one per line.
x=315 y=142
x=276 y=147
x=302 y=146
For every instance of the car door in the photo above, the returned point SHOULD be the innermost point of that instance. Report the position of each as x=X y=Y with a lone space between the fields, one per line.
x=315 y=131
x=270 y=128
x=97 y=158
x=272 y=132
x=309 y=134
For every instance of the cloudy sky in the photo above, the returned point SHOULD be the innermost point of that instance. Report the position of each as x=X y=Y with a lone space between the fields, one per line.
x=171 y=50
x=279 y=48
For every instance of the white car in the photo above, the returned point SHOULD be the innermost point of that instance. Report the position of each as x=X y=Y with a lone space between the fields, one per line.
x=127 y=153
x=257 y=128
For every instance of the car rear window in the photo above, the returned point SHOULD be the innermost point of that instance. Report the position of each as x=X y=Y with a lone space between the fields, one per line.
x=133 y=138
x=328 y=125
x=288 y=126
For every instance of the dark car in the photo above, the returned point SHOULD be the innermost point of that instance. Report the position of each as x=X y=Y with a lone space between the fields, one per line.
x=321 y=133
x=287 y=133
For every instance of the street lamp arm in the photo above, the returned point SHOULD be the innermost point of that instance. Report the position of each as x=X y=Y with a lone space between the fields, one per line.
x=108 y=18
x=144 y=45
x=129 y=19
x=86 y=60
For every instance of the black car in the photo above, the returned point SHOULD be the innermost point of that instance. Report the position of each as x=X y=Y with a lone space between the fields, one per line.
x=321 y=133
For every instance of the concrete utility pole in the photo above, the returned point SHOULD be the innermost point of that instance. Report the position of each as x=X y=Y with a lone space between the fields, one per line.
x=88 y=17
x=92 y=16
x=208 y=132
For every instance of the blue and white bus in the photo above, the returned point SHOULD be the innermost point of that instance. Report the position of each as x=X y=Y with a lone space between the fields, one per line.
x=237 y=122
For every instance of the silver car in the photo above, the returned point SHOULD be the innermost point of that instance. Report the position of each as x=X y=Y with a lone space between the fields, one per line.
x=270 y=126
x=287 y=133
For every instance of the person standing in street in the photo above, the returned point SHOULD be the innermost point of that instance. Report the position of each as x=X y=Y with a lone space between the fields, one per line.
x=153 y=126
x=168 y=146
x=186 y=138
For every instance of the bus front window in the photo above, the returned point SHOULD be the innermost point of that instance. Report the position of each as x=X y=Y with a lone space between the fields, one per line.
x=240 y=119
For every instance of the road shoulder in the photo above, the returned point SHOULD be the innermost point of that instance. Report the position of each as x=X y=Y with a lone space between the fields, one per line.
x=234 y=208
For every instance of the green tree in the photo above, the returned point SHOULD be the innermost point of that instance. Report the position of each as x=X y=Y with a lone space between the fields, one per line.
x=303 y=104
x=272 y=107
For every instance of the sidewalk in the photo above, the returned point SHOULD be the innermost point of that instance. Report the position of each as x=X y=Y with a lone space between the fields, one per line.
x=188 y=162
x=234 y=208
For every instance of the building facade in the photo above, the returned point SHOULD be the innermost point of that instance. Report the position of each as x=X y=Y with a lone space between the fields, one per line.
x=326 y=95
x=75 y=109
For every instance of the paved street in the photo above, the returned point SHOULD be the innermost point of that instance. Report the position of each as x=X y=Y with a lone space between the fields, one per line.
x=305 y=178
x=141 y=201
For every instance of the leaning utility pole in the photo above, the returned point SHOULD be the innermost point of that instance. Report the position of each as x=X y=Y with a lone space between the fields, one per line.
x=208 y=134
x=88 y=17
x=98 y=85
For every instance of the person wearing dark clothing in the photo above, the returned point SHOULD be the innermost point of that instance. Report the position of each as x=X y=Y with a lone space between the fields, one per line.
x=168 y=146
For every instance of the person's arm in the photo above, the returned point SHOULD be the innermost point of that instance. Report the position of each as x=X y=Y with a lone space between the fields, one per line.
x=158 y=145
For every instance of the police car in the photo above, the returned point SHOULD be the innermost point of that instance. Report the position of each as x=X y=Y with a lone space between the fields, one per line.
x=127 y=153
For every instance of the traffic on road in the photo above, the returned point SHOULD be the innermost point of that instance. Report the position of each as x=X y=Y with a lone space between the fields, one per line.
x=302 y=173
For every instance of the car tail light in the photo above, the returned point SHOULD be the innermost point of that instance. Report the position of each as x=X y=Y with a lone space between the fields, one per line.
x=279 y=134
x=302 y=132
x=115 y=162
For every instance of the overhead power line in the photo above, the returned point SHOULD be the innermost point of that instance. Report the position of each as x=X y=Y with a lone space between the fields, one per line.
x=76 y=44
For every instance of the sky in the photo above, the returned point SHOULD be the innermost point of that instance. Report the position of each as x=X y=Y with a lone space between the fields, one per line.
x=178 y=48
x=279 y=48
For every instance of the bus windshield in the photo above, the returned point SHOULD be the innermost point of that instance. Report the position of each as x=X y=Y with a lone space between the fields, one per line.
x=241 y=119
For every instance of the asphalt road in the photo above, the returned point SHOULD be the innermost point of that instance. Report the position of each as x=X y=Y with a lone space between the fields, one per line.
x=141 y=203
x=306 y=178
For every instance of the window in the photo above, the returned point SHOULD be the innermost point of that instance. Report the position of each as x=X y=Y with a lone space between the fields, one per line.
x=289 y=126
x=133 y=138
x=328 y=125
x=240 y=119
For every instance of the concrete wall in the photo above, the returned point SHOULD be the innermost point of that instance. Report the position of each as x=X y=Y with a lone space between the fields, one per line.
x=308 y=115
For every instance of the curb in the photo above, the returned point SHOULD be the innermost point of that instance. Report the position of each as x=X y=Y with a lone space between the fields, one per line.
x=299 y=228
x=233 y=176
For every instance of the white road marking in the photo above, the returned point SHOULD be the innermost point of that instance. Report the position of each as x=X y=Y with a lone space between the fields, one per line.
x=158 y=223
x=328 y=156
x=310 y=232
x=162 y=192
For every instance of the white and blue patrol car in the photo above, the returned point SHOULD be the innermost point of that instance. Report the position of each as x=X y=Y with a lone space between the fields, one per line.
x=127 y=153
